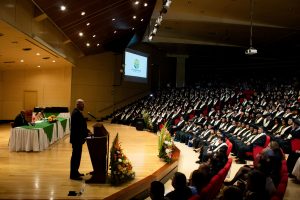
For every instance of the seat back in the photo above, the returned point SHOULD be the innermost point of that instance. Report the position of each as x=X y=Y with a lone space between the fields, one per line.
x=281 y=188
x=229 y=144
x=295 y=144
x=268 y=139
x=213 y=187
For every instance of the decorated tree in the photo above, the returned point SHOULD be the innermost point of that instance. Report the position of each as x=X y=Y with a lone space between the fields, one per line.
x=120 y=166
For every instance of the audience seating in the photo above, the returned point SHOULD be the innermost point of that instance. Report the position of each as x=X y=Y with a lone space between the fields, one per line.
x=176 y=121
x=295 y=144
x=257 y=149
x=192 y=115
x=213 y=188
x=280 y=191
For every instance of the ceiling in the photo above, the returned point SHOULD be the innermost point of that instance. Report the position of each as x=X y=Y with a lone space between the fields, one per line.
x=19 y=51
x=191 y=25
x=95 y=26
x=204 y=28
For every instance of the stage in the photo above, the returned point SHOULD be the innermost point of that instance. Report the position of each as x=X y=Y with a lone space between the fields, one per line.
x=45 y=175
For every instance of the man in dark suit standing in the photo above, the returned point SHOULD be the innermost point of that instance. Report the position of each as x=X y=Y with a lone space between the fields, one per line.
x=79 y=132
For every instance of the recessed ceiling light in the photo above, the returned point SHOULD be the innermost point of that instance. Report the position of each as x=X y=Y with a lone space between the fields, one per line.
x=113 y=19
x=134 y=17
x=87 y=44
x=80 y=34
x=22 y=60
x=82 y=13
x=142 y=19
x=37 y=54
x=115 y=32
x=136 y=2
x=53 y=61
x=94 y=36
x=98 y=44
x=145 y=4
x=87 y=24
x=132 y=28
x=63 y=8
x=38 y=66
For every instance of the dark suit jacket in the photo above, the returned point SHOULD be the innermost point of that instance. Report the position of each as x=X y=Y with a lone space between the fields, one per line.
x=79 y=129
x=20 y=121
x=260 y=141
x=295 y=133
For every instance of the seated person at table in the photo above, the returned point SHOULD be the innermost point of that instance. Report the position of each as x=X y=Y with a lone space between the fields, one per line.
x=20 y=119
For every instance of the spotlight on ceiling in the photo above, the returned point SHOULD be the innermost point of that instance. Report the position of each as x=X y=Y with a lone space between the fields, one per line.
x=150 y=37
x=159 y=20
x=166 y=6
x=167 y=3
x=154 y=31
x=63 y=8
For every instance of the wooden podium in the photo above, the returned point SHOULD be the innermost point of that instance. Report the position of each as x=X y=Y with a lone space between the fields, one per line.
x=98 y=145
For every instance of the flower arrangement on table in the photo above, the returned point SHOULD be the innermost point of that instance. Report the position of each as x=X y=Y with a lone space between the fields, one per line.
x=52 y=118
x=165 y=144
x=120 y=166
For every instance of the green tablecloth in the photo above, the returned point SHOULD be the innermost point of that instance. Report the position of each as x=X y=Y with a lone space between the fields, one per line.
x=63 y=122
x=48 y=128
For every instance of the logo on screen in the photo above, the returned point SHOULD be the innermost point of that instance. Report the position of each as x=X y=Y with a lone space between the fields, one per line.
x=136 y=64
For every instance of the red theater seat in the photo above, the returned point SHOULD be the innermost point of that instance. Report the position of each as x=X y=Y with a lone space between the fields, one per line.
x=212 y=189
x=281 y=188
x=257 y=149
x=295 y=143
x=229 y=144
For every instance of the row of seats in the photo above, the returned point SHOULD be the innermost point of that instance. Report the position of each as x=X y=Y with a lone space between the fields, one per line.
x=280 y=190
x=229 y=147
x=213 y=188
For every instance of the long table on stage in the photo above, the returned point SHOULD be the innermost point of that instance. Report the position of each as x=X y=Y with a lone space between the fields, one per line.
x=39 y=136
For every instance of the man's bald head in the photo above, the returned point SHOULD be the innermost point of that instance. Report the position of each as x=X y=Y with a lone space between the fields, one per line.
x=80 y=104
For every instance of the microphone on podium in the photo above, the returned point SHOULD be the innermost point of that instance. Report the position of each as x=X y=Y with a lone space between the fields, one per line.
x=91 y=115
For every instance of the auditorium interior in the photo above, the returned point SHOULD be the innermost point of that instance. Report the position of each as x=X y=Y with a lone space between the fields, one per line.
x=215 y=72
